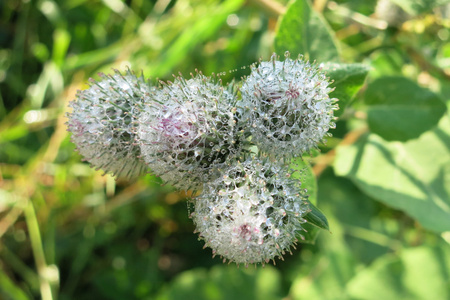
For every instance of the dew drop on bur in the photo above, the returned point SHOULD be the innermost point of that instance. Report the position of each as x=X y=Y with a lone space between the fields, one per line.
x=227 y=180
x=288 y=207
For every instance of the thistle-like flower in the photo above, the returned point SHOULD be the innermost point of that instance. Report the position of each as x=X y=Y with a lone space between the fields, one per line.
x=103 y=123
x=252 y=214
x=188 y=129
x=287 y=105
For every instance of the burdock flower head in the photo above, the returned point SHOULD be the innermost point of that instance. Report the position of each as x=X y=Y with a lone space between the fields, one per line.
x=288 y=107
x=103 y=123
x=188 y=129
x=252 y=214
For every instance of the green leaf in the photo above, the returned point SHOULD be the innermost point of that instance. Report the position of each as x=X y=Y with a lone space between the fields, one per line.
x=205 y=27
x=418 y=273
x=399 y=109
x=302 y=171
x=9 y=290
x=61 y=42
x=309 y=235
x=416 y=7
x=386 y=62
x=316 y=217
x=353 y=217
x=316 y=220
x=222 y=282
x=302 y=31
x=347 y=80
x=327 y=278
x=412 y=176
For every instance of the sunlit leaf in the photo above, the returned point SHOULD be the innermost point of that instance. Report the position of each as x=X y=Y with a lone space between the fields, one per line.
x=399 y=109
x=302 y=31
x=347 y=80
x=412 y=176
x=418 y=273
x=328 y=279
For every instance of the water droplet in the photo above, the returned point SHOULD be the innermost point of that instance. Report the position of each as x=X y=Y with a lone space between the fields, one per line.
x=227 y=180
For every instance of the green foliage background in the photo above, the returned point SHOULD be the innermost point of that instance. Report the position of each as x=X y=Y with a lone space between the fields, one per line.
x=382 y=180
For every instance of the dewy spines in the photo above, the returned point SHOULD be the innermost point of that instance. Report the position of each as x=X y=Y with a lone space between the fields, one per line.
x=184 y=133
x=101 y=122
x=198 y=135
x=288 y=105
x=247 y=216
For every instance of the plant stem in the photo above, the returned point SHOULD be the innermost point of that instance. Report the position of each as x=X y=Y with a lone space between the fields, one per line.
x=373 y=237
x=21 y=268
x=9 y=219
x=357 y=17
x=38 y=251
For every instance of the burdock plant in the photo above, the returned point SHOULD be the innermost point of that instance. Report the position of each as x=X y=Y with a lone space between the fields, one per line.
x=187 y=129
x=252 y=213
x=287 y=105
x=103 y=121
x=197 y=134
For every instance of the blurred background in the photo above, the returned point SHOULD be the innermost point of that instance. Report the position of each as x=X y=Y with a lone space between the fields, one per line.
x=70 y=232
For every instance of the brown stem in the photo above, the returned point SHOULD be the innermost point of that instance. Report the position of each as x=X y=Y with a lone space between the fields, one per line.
x=425 y=64
x=327 y=160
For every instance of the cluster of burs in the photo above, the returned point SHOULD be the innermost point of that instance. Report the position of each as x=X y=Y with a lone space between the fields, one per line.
x=232 y=144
